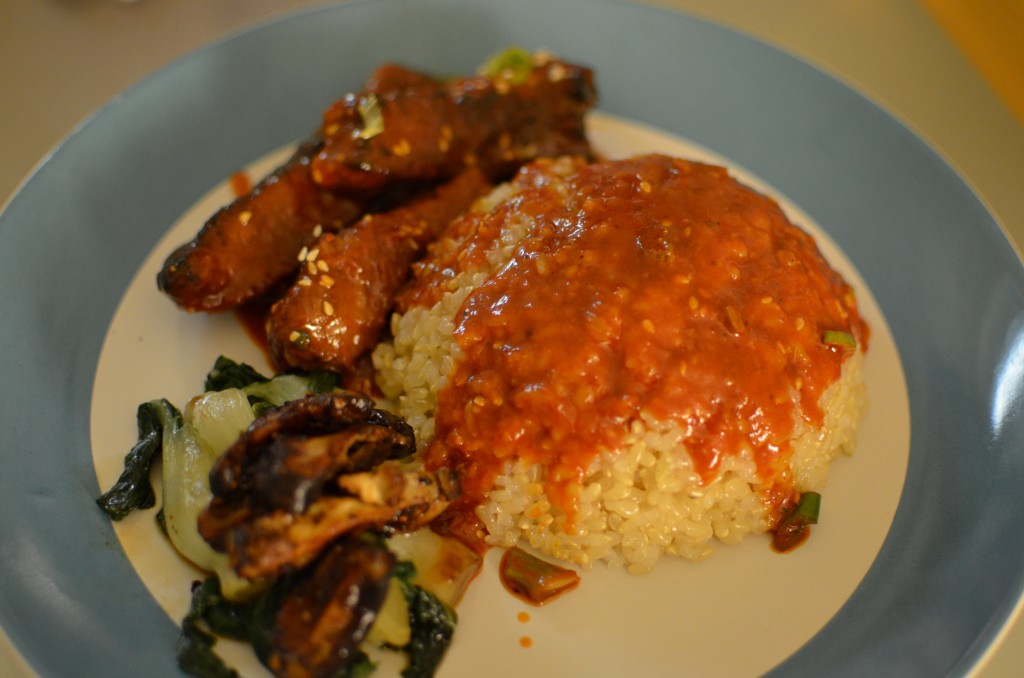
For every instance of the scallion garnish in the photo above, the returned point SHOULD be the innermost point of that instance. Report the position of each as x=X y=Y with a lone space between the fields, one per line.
x=371 y=115
x=794 y=528
x=839 y=338
x=513 y=64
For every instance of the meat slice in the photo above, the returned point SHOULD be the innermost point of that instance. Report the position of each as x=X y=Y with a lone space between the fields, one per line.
x=424 y=133
x=246 y=248
x=339 y=305
x=249 y=246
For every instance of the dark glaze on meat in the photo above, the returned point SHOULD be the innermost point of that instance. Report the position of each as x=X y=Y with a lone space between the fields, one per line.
x=433 y=133
x=338 y=307
x=309 y=472
x=249 y=246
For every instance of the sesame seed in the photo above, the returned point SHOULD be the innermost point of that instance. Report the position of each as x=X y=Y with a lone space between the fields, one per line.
x=648 y=325
x=355 y=340
x=322 y=265
x=294 y=336
x=402 y=148
x=645 y=186
x=693 y=303
x=328 y=308
x=303 y=253
x=313 y=254
x=332 y=129
x=304 y=282
x=557 y=72
x=443 y=145
x=318 y=231
x=244 y=217
x=311 y=267
x=326 y=281
x=800 y=323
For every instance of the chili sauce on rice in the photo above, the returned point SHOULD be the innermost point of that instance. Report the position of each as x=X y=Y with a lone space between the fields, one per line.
x=627 y=359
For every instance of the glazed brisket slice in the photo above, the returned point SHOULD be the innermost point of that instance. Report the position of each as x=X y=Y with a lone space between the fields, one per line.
x=249 y=246
x=339 y=305
x=425 y=133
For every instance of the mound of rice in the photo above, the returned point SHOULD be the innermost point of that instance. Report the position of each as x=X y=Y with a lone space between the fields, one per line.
x=636 y=502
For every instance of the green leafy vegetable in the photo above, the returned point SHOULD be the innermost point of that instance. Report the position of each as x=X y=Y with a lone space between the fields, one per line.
x=209 y=615
x=133 y=490
x=212 y=615
x=321 y=381
x=839 y=338
x=266 y=395
x=513 y=63
x=191 y=446
x=432 y=625
x=227 y=373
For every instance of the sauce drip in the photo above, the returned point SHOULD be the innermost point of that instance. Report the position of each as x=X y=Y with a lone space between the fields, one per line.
x=652 y=286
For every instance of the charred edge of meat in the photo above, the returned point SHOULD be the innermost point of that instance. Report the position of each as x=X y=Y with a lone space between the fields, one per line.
x=313 y=415
x=250 y=245
x=178 y=276
x=432 y=132
x=263 y=543
x=322 y=620
x=311 y=471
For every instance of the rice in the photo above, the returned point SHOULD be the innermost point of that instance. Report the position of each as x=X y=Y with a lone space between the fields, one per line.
x=636 y=502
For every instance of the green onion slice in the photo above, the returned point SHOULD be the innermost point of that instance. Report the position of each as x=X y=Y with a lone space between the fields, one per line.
x=512 y=64
x=371 y=115
x=839 y=338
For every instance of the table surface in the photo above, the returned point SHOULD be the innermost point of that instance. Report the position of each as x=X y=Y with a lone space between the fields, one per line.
x=62 y=60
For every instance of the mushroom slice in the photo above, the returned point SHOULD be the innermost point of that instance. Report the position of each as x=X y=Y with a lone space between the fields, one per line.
x=320 y=623
x=391 y=499
x=309 y=472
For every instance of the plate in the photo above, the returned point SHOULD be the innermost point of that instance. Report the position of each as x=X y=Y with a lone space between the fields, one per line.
x=154 y=350
x=943 y=275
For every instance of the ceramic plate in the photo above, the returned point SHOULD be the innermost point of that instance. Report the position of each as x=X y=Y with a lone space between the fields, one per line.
x=921 y=567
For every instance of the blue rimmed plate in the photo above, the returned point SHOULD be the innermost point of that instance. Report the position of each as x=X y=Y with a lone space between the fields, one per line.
x=937 y=583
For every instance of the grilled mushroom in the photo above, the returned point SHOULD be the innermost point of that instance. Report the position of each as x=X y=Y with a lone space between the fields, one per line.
x=311 y=471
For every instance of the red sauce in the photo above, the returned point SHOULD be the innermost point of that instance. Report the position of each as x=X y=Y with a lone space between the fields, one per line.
x=253 y=318
x=658 y=286
x=240 y=184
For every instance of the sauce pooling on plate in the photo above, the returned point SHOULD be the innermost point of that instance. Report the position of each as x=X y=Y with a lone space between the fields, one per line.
x=651 y=286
